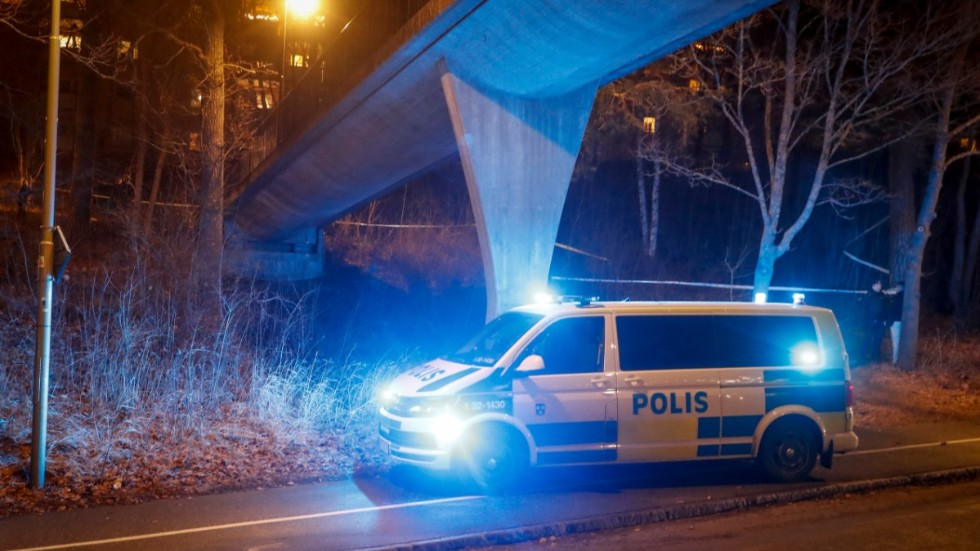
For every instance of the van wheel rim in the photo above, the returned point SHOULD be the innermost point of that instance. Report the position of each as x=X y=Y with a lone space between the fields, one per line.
x=791 y=453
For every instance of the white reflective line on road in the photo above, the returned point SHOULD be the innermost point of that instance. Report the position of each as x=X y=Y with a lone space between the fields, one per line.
x=914 y=446
x=248 y=523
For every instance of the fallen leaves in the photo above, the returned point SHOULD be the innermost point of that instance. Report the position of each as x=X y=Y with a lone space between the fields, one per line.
x=236 y=454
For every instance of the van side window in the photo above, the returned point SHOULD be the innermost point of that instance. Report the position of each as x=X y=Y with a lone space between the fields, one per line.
x=664 y=342
x=762 y=341
x=695 y=341
x=572 y=345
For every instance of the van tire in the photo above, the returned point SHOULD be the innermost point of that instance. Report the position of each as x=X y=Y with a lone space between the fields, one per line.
x=789 y=451
x=496 y=459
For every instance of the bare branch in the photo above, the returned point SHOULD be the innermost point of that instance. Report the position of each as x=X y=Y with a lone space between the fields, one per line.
x=962 y=127
x=846 y=193
x=960 y=156
x=710 y=174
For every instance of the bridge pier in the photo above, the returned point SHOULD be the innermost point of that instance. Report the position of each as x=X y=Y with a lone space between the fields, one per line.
x=298 y=257
x=517 y=155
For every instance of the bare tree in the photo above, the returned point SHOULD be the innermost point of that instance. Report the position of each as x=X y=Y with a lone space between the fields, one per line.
x=183 y=81
x=817 y=79
x=966 y=244
x=92 y=53
x=26 y=132
x=84 y=150
x=181 y=76
x=210 y=239
x=640 y=114
x=956 y=111
x=20 y=104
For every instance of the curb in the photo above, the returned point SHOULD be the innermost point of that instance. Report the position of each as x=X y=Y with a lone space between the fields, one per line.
x=682 y=511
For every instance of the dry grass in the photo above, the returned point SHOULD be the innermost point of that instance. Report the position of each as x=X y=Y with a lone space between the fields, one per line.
x=181 y=423
x=146 y=403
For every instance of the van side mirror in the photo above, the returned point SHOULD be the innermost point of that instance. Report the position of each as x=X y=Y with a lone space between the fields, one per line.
x=531 y=363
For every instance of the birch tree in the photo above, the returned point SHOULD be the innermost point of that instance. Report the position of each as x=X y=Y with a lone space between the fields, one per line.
x=821 y=79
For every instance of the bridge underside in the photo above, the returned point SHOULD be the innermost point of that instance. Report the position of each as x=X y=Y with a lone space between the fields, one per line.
x=508 y=86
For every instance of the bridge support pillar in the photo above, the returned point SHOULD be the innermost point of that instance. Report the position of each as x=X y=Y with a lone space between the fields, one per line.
x=298 y=257
x=518 y=155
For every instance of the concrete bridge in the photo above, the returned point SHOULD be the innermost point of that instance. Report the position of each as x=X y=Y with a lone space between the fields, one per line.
x=508 y=86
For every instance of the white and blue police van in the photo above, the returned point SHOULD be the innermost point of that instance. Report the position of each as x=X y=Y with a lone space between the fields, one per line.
x=621 y=382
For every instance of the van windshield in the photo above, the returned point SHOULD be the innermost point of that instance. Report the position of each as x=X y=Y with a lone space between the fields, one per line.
x=496 y=338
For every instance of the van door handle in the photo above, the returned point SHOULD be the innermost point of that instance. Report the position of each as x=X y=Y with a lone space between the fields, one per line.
x=634 y=381
x=600 y=382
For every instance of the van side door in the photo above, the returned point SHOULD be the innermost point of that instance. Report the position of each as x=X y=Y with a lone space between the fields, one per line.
x=669 y=405
x=569 y=407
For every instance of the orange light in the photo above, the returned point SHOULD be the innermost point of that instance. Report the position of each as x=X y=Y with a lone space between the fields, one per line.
x=301 y=8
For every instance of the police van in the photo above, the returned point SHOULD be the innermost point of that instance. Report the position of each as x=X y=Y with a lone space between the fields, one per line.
x=622 y=382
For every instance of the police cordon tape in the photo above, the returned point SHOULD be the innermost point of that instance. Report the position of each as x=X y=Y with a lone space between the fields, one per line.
x=683 y=511
x=707 y=285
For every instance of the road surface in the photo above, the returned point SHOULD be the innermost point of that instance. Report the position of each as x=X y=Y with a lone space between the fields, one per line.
x=910 y=517
x=403 y=511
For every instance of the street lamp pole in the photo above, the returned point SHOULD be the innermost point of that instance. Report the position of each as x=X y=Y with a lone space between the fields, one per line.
x=45 y=275
x=282 y=73
x=282 y=76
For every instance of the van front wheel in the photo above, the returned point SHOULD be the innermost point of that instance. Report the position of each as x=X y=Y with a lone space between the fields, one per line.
x=788 y=451
x=496 y=459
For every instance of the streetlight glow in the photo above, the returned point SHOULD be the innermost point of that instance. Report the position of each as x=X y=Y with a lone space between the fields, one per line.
x=301 y=8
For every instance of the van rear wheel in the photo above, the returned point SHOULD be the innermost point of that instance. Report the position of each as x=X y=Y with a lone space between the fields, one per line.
x=789 y=451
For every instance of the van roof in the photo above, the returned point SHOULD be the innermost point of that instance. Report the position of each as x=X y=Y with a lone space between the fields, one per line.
x=668 y=307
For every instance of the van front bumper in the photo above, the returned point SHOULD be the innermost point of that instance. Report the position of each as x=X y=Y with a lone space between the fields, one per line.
x=413 y=441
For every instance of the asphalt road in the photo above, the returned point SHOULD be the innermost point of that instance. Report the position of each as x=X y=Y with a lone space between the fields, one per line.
x=909 y=517
x=408 y=512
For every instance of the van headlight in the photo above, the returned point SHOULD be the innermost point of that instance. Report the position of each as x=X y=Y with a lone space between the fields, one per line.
x=447 y=428
x=387 y=397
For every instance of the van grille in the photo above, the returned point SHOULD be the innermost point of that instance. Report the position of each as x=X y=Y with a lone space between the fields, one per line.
x=418 y=440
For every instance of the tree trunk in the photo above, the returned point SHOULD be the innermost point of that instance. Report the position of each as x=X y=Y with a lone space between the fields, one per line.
x=766 y=263
x=909 y=339
x=84 y=151
x=138 y=169
x=207 y=261
x=641 y=188
x=142 y=144
x=654 y=211
x=903 y=159
x=155 y=189
x=970 y=270
x=954 y=288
